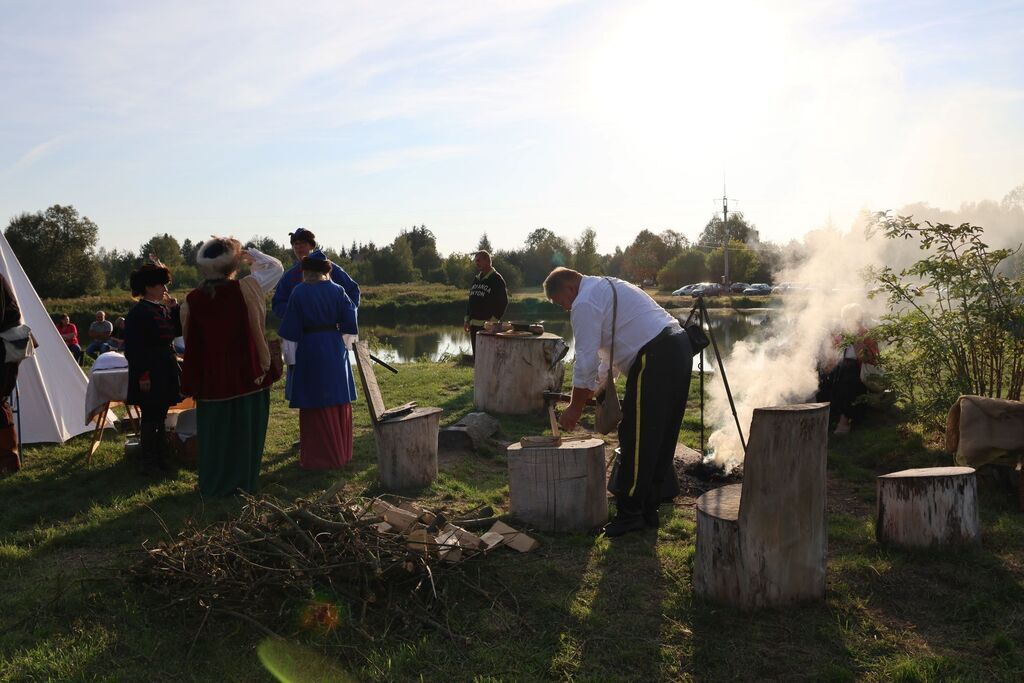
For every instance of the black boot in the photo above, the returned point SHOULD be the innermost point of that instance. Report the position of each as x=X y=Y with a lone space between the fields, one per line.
x=624 y=523
x=652 y=518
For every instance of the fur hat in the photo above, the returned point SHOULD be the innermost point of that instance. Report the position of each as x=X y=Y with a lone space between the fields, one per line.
x=302 y=235
x=218 y=257
x=148 y=275
x=317 y=263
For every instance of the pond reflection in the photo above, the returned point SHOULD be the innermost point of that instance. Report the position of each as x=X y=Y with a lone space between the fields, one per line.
x=439 y=342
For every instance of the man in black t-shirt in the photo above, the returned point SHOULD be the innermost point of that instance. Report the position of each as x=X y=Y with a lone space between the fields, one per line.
x=488 y=297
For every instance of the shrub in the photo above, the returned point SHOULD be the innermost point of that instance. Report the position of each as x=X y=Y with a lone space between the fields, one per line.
x=955 y=323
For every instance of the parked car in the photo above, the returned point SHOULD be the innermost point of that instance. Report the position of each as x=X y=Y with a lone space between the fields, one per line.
x=738 y=287
x=684 y=290
x=758 y=289
x=707 y=289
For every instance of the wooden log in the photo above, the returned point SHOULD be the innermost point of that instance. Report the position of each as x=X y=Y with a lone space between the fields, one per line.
x=717 y=553
x=407 y=449
x=560 y=488
x=764 y=542
x=931 y=506
x=511 y=373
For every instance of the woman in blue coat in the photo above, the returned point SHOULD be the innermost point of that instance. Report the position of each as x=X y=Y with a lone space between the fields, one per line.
x=319 y=312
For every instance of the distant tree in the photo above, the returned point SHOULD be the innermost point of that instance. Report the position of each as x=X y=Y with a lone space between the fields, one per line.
x=683 y=269
x=544 y=251
x=420 y=238
x=166 y=248
x=57 y=250
x=611 y=264
x=116 y=266
x=1014 y=198
x=645 y=257
x=459 y=270
x=362 y=272
x=484 y=244
x=427 y=261
x=739 y=229
x=585 y=258
x=394 y=262
x=743 y=263
x=188 y=251
x=675 y=241
x=509 y=272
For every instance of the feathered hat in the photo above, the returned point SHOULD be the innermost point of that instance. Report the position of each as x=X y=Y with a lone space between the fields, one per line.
x=218 y=257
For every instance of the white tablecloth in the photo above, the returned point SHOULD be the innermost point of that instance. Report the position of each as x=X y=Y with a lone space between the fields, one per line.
x=104 y=386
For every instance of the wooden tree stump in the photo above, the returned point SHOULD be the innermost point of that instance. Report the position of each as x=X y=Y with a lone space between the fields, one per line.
x=718 y=543
x=511 y=372
x=558 y=488
x=931 y=506
x=407 y=449
x=763 y=542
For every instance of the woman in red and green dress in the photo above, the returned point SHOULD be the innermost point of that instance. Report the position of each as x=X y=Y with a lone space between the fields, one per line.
x=227 y=363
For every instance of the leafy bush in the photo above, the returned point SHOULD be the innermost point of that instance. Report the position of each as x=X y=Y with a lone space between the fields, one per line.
x=956 y=323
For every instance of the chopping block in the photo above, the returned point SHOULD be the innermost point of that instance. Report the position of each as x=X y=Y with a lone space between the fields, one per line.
x=559 y=487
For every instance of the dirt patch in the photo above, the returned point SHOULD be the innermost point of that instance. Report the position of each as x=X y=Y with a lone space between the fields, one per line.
x=843 y=498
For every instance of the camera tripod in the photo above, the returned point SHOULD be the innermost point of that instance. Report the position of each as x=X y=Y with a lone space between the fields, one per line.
x=699 y=317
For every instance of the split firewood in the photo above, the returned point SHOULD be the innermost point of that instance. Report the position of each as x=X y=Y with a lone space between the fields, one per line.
x=514 y=538
x=492 y=540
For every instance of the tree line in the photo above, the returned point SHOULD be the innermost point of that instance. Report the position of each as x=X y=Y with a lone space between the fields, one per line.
x=57 y=249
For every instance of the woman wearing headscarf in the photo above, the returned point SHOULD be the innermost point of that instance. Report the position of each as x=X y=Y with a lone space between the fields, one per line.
x=153 y=376
x=227 y=363
x=319 y=312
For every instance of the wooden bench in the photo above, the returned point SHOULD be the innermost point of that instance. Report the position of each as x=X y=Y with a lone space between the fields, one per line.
x=929 y=506
x=763 y=542
x=406 y=436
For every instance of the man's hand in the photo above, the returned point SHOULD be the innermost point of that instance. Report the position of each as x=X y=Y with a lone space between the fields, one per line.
x=570 y=416
x=465 y=326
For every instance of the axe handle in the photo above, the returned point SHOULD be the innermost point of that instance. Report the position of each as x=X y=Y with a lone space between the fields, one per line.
x=558 y=397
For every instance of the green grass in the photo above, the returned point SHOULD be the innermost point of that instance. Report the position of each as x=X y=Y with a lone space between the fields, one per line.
x=588 y=608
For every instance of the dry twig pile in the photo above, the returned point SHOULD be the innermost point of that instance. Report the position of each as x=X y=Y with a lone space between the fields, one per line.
x=318 y=563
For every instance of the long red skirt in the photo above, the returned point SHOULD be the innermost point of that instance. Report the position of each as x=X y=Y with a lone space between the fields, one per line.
x=325 y=437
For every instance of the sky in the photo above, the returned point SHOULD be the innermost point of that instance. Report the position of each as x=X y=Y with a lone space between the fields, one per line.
x=359 y=119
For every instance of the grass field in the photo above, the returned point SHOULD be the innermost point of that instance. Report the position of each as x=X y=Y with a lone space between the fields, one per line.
x=588 y=608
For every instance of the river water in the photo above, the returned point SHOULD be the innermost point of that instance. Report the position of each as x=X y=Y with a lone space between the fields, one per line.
x=440 y=342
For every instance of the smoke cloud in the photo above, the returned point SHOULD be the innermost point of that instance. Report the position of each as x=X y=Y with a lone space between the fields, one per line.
x=780 y=366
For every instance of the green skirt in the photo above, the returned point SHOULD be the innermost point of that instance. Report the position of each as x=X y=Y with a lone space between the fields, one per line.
x=231 y=435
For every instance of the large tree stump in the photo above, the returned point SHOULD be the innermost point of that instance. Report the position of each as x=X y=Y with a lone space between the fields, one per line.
x=512 y=371
x=407 y=449
x=558 y=488
x=931 y=506
x=764 y=542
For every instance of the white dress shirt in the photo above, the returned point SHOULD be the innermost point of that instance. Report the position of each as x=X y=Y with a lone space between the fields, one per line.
x=639 y=319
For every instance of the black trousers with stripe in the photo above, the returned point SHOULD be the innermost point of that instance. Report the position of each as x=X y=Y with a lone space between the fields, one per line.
x=652 y=414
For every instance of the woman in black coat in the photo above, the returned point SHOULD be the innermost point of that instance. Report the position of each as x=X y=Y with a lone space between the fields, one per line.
x=153 y=376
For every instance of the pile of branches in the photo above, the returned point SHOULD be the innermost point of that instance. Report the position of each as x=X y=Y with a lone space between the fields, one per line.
x=310 y=564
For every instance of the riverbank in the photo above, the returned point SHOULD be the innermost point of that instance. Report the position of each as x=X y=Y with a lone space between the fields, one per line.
x=390 y=305
x=579 y=608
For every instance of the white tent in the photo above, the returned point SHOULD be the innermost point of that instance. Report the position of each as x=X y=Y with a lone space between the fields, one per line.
x=51 y=385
